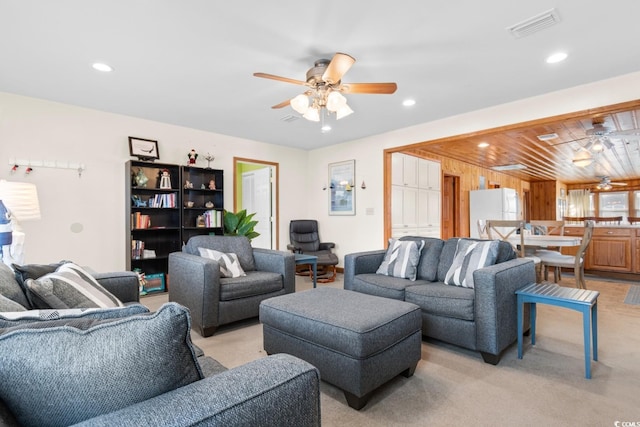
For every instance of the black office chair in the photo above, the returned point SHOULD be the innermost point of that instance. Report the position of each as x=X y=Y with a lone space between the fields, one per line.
x=305 y=239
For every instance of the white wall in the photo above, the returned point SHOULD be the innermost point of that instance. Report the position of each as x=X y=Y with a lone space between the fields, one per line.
x=366 y=232
x=42 y=130
x=39 y=130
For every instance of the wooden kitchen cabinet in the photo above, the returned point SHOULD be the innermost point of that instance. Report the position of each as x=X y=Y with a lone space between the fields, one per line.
x=611 y=250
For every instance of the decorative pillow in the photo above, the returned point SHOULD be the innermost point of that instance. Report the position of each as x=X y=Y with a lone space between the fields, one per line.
x=229 y=263
x=9 y=286
x=7 y=304
x=401 y=259
x=470 y=256
x=69 y=287
x=61 y=375
x=32 y=271
x=8 y=320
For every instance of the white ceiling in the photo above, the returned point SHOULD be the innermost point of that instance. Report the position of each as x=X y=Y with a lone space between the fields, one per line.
x=190 y=63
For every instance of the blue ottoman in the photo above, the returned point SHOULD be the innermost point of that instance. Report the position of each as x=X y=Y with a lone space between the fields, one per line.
x=357 y=341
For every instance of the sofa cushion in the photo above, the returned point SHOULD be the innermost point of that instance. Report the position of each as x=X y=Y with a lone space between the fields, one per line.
x=7 y=304
x=254 y=283
x=8 y=320
x=69 y=287
x=382 y=286
x=401 y=259
x=229 y=263
x=470 y=256
x=443 y=300
x=10 y=288
x=239 y=245
x=429 y=257
x=113 y=364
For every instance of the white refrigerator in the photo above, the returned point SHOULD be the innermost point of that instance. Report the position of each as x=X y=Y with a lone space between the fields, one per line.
x=497 y=203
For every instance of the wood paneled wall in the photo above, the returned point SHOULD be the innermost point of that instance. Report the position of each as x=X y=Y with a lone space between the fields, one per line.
x=543 y=200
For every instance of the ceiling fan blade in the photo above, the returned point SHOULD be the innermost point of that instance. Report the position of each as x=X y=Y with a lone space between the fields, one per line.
x=339 y=65
x=620 y=184
x=281 y=79
x=282 y=104
x=377 y=88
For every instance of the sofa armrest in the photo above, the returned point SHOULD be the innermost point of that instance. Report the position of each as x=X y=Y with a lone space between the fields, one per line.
x=361 y=263
x=194 y=282
x=277 y=262
x=123 y=284
x=495 y=302
x=277 y=390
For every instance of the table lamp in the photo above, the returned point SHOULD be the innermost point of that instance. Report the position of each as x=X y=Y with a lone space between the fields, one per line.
x=18 y=202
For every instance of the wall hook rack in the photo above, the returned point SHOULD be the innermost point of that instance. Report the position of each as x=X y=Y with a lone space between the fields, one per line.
x=32 y=165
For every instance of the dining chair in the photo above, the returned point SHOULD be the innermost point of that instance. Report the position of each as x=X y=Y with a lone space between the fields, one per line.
x=543 y=228
x=576 y=262
x=510 y=231
x=633 y=219
x=616 y=220
x=482 y=229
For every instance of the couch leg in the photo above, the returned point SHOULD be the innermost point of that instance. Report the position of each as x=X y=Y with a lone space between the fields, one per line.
x=356 y=402
x=492 y=359
x=410 y=370
x=207 y=332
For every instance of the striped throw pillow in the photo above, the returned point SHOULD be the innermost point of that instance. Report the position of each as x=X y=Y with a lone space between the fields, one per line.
x=71 y=287
x=470 y=256
x=401 y=259
x=229 y=263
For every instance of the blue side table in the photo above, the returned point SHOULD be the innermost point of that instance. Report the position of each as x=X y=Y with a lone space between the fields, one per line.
x=581 y=300
x=309 y=259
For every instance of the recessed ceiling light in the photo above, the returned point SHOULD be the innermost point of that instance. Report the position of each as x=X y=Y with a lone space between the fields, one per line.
x=547 y=136
x=556 y=57
x=513 y=167
x=102 y=67
x=483 y=145
x=325 y=129
x=409 y=102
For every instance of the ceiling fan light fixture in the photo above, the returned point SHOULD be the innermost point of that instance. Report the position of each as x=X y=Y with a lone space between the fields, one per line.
x=312 y=114
x=343 y=111
x=582 y=163
x=300 y=104
x=335 y=100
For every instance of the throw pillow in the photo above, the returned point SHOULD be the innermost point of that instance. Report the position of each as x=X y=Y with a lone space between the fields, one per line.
x=8 y=320
x=401 y=259
x=229 y=263
x=470 y=256
x=9 y=286
x=32 y=271
x=69 y=287
x=61 y=375
x=7 y=304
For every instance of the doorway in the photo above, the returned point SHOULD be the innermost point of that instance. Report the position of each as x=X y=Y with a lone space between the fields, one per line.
x=450 y=206
x=255 y=185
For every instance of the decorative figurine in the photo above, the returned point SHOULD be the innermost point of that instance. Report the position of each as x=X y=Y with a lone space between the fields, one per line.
x=192 y=157
x=188 y=184
x=141 y=178
x=212 y=185
x=209 y=158
x=165 y=179
x=208 y=205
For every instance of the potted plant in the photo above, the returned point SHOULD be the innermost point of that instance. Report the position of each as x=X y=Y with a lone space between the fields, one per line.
x=239 y=224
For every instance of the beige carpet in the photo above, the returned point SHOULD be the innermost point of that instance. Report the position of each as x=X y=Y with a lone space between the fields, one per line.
x=454 y=387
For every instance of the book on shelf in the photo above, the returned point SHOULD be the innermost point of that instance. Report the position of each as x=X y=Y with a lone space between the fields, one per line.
x=213 y=218
x=137 y=249
x=139 y=220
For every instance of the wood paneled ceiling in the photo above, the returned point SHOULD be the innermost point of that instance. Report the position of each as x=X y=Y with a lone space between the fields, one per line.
x=552 y=159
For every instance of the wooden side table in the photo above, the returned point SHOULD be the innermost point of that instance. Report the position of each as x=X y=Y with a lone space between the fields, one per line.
x=582 y=300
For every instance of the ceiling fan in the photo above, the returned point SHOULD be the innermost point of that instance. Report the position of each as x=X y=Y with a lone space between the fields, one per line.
x=606 y=184
x=325 y=88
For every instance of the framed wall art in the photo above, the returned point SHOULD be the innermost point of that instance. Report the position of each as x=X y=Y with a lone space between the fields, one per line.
x=144 y=149
x=342 y=197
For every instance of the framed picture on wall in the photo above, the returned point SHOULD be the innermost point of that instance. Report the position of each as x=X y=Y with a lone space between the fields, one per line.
x=342 y=195
x=144 y=149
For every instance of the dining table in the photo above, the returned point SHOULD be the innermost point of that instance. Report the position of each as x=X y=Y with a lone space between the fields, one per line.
x=547 y=240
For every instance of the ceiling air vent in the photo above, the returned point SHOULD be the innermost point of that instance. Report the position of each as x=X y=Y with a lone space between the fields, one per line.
x=289 y=118
x=514 y=167
x=534 y=24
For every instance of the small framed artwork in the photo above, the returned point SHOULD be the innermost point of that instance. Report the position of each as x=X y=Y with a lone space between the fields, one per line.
x=342 y=197
x=155 y=283
x=144 y=149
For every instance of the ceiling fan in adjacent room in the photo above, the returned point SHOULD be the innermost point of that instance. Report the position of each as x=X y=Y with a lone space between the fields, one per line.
x=326 y=89
x=606 y=184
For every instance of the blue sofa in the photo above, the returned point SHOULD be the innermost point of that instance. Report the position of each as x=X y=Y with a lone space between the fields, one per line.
x=482 y=318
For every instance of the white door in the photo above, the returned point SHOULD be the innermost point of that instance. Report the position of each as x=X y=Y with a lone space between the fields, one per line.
x=256 y=197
